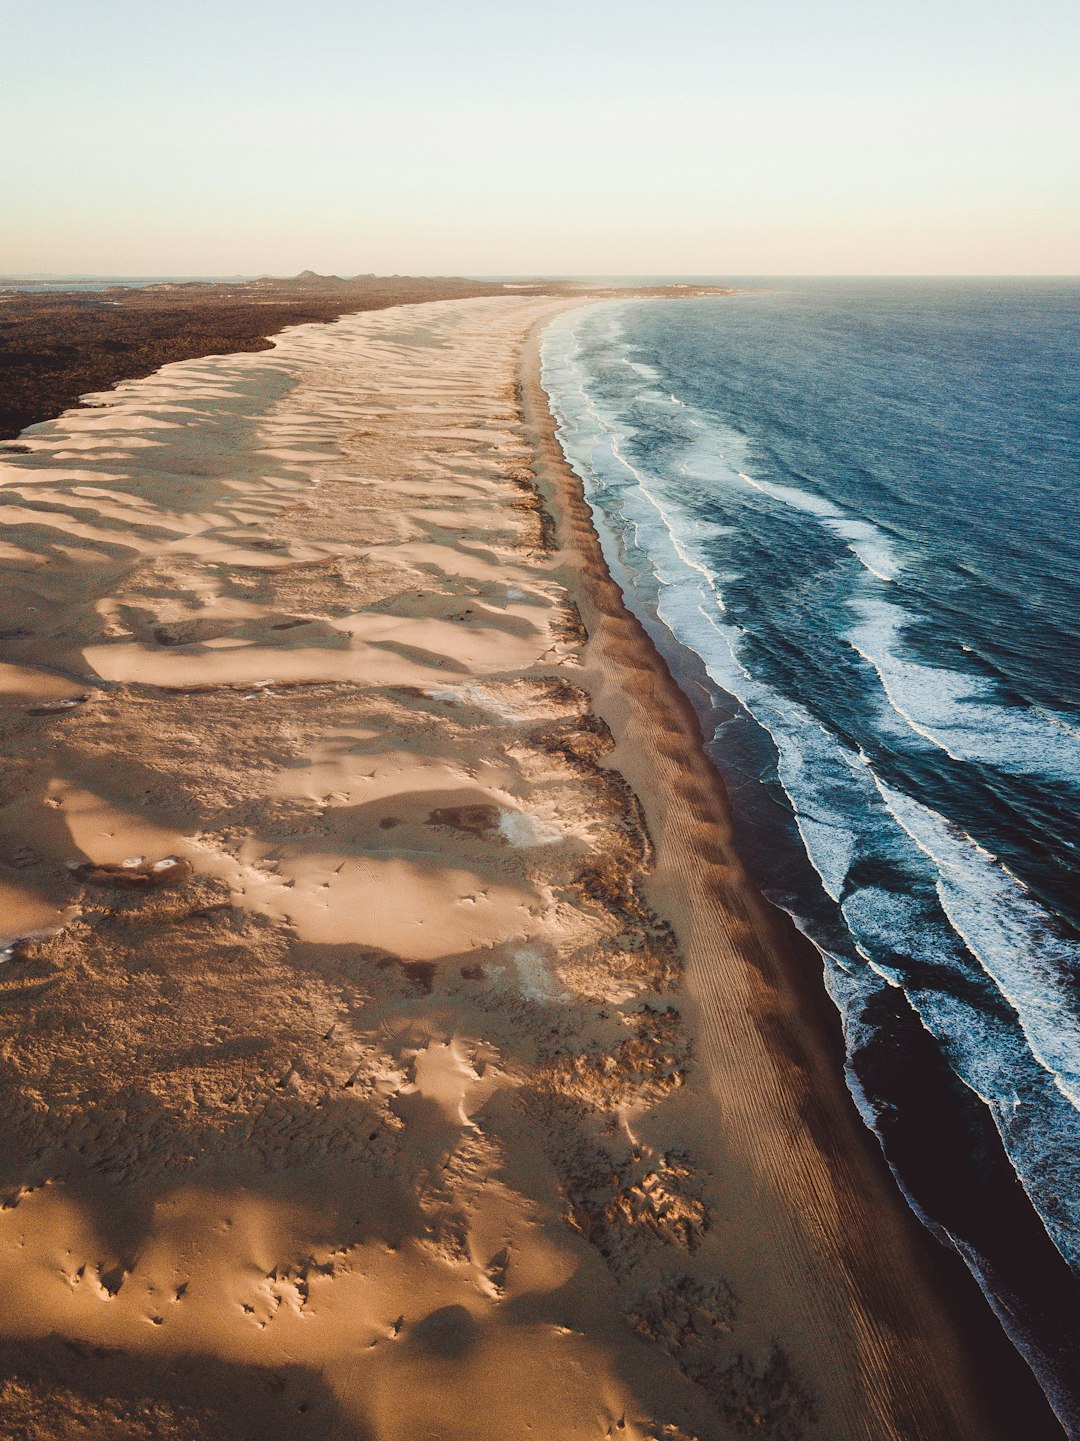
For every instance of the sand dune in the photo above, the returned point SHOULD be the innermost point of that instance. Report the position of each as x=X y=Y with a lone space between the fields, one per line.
x=352 y=1087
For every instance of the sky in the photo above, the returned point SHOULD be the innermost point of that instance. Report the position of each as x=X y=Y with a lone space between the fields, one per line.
x=213 y=137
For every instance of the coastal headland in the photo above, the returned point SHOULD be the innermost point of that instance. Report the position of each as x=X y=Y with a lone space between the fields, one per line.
x=391 y=1043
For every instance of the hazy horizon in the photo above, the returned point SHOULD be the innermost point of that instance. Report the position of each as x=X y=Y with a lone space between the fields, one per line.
x=628 y=278
x=794 y=140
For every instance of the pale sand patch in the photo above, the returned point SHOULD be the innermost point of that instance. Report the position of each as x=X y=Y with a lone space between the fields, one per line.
x=419 y=912
x=361 y=664
x=521 y=829
x=347 y=769
x=103 y=832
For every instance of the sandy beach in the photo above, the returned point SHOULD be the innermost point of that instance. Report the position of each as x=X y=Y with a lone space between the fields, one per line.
x=392 y=1045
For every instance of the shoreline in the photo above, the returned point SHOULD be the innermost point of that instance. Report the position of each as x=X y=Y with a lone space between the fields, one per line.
x=995 y=1368
x=374 y=1095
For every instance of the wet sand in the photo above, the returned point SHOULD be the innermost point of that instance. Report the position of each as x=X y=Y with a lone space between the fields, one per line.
x=391 y=1042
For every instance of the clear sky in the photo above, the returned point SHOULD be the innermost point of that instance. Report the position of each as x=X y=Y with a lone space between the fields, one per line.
x=597 y=137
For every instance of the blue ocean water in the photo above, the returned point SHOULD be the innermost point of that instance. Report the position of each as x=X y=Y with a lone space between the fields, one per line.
x=852 y=509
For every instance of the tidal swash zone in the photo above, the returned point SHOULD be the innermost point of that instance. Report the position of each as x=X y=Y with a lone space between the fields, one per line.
x=847 y=513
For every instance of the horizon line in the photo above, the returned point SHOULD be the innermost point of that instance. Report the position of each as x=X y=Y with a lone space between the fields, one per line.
x=551 y=275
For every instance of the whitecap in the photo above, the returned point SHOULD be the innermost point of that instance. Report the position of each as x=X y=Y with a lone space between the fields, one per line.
x=1033 y=966
x=958 y=713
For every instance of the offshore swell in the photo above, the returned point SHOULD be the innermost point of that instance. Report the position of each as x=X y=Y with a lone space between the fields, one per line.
x=845 y=513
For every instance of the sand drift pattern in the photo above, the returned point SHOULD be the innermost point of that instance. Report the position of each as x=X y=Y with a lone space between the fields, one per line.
x=850 y=507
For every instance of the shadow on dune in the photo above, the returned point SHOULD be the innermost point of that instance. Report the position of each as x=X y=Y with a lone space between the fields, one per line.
x=56 y=1390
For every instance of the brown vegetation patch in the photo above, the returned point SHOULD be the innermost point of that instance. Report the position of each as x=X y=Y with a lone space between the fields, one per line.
x=693 y=1319
x=530 y=502
x=582 y=741
x=569 y=627
x=760 y=1399
x=686 y=1316
x=627 y=1207
x=130 y=1027
x=641 y=1070
x=631 y=960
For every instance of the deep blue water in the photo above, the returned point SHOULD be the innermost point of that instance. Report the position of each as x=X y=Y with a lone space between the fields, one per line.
x=856 y=504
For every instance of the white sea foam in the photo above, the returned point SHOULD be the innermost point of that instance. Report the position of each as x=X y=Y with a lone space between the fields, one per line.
x=867 y=542
x=1035 y=1119
x=1007 y=932
x=960 y=713
x=811 y=765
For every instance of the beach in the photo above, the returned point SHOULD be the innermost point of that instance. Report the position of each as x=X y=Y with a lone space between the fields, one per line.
x=393 y=1044
x=57 y=344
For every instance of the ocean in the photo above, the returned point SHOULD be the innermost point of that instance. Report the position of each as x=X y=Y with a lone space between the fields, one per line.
x=848 y=512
